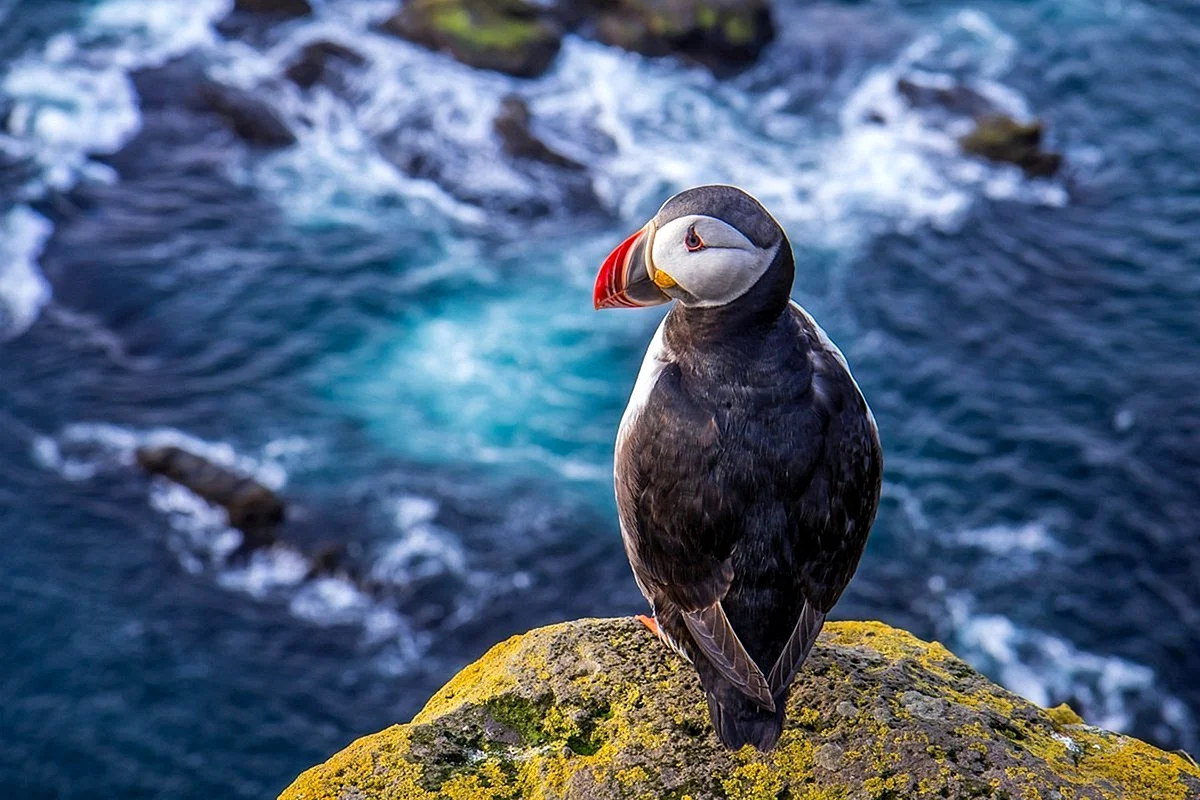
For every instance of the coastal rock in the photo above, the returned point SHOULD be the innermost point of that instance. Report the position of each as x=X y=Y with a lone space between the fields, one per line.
x=182 y=84
x=516 y=37
x=254 y=19
x=314 y=60
x=1001 y=138
x=251 y=119
x=512 y=126
x=597 y=709
x=716 y=33
x=955 y=98
x=252 y=508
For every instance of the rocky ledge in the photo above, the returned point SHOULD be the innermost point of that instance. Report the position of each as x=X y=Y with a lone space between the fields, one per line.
x=597 y=709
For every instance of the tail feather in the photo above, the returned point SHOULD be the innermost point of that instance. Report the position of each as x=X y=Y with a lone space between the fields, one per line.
x=739 y=721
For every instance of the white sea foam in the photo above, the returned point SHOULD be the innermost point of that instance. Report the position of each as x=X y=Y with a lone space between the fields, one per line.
x=74 y=100
x=666 y=127
x=145 y=33
x=1026 y=538
x=904 y=162
x=66 y=110
x=266 y=571
x=105 y=446
x=422 y=550
x=1107 y=690
x=23 y=288
x=200 y=535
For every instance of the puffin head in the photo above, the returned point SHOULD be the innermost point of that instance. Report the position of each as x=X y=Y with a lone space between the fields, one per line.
x=707 y=247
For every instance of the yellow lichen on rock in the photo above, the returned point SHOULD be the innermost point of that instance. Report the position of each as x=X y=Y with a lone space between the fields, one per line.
x=598 y=709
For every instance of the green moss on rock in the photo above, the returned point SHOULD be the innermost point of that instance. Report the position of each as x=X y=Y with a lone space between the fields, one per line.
x=512 y=36
x=598 y=709
x=716 y=33
x=1001 y=138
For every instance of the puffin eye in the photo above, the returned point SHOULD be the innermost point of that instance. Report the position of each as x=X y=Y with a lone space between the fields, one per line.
x=692 y=240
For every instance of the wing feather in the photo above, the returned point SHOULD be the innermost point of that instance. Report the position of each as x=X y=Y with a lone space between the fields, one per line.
x=716 y=638
x=804 y=635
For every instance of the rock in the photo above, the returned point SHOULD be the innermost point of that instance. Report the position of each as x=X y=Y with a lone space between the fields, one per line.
x=956 y=98
x=716 y=33
x=313 y=61
x=183 y=84
x=512 y=126
x=597 y=709
x=1001 y=138
x=253 y=508
x=277 y=8
x=517 y=37
x=252 y=119
x=254 y=19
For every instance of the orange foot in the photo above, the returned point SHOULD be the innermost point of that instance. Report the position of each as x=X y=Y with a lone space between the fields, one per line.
x=650 y=622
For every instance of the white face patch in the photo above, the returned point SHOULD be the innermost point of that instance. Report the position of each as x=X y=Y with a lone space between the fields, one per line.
x=719 y=272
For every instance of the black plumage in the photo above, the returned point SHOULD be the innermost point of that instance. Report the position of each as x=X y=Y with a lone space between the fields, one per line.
x=748 y=472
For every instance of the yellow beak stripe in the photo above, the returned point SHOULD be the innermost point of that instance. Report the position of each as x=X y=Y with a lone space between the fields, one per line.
x=662 y=280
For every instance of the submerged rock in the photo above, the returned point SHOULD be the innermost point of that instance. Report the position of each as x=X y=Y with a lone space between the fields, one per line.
x=956 y=98
x=254 y=18
x=251 y=119
x=598 y=709
x=278 y=8
x=313 y=61
x=1001 y=138
x=253 y=509
x=513 y=36
x=716 y=33
x=184 y=84
x=512 y=126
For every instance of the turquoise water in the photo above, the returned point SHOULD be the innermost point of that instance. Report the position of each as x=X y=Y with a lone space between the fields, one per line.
x=415 y=364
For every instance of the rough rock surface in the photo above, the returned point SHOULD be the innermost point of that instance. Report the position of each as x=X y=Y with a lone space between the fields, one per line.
x=598 y=709
x=1001 y=138
x=513 y=36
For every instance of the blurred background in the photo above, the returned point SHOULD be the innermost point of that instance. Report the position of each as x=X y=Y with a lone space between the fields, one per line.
x=346 y=248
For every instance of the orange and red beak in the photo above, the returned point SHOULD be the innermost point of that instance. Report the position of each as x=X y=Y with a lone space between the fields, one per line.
x=624 y=278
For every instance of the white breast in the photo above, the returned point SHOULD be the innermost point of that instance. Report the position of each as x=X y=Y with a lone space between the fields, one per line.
x=657 y=357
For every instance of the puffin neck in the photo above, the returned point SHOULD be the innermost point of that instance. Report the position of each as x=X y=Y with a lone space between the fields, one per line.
x=750 y=316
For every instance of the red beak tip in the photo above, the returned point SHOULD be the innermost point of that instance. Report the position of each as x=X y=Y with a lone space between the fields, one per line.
x=610 y=281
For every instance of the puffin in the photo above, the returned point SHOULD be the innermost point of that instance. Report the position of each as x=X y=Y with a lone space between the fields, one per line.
x=748 y=464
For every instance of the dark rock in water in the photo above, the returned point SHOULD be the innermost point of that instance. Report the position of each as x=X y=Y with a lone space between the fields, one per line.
x=253 y=120
x=253 y=508
x=516 y=37
x=314 y=60
x=957 y=98
x=184 y=84
x=600 y=710
x=538 y=181
x=1001 y=138
x=719 y=34
x=278 y=8
x=512 y=125
x=335 y=560
x=255 y=20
